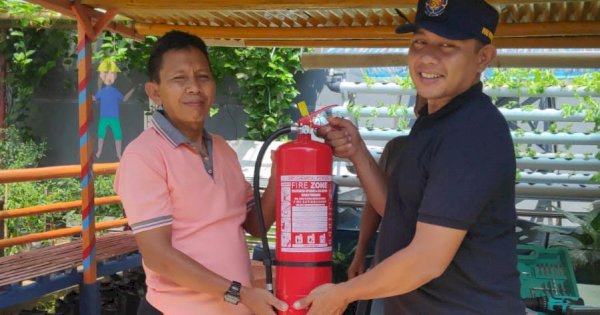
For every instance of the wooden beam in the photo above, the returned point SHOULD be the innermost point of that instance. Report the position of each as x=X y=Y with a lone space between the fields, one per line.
x=60 y=6
x=548 y=42
x=532 y=42
x=85 y=20
x=543 y=60
x=548 y=29
x=104 y=21
x=270 y=5
x=248 y=4
x=324 y=61
x=364 y=43
x=225 y=42
x=64 y=7
x=273 y=32
x=361 y=32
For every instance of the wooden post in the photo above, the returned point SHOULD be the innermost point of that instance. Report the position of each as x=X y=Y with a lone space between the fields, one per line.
x=90 y=294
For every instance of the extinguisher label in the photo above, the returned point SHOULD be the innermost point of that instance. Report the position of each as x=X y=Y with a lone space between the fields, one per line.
x=306 y=213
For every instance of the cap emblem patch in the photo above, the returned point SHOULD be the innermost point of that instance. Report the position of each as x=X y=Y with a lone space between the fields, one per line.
x=435 y=7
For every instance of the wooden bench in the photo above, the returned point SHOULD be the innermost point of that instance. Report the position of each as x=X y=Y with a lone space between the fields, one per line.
x=38 y=272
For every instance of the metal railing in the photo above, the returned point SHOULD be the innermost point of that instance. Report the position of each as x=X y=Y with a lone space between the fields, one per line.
x=45 y=173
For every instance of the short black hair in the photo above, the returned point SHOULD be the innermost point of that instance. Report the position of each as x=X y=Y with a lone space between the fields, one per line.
x=169 y=41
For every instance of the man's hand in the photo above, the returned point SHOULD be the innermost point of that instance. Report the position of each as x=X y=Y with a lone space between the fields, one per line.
x=357 y=266
x=323 y=300
x=261 y=301
x=342 y=136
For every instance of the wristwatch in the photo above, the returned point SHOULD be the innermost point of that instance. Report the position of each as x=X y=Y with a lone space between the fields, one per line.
x=233 y=293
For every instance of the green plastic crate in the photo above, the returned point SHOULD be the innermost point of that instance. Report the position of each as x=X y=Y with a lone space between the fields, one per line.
x=547 y=273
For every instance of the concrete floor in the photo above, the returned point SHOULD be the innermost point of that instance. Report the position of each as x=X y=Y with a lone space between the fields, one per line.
x=590 y=294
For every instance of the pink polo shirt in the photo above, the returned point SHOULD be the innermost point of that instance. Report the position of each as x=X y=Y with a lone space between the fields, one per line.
x=162 y=181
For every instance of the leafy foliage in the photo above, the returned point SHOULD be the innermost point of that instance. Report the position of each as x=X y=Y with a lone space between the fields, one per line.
x=266 y=81
x=31 y=51
x=583 y=242
x=130 y=54
x=16 y=152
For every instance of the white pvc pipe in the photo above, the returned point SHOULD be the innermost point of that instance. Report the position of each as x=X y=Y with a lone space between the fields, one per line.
x=512 y=114
x=526 y=137
x=523 y=190
x=395 y=89
x=546 y=163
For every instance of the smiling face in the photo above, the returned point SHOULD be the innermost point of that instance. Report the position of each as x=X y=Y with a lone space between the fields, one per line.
x=186 y=89
x=107 y=77
x=442 y=68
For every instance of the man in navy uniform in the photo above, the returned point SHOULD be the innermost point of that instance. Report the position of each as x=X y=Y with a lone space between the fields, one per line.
x=447 y=242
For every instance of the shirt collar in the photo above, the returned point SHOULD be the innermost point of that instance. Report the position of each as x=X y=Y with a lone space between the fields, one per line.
x=165 y=128
x=456 y=102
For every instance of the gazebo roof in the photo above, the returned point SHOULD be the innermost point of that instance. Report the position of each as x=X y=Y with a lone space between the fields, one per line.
x=353 y=23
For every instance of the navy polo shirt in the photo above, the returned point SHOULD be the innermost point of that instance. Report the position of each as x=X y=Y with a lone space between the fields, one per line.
x=458 y=171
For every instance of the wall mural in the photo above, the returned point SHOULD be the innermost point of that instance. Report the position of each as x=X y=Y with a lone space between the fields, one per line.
x=110 y=99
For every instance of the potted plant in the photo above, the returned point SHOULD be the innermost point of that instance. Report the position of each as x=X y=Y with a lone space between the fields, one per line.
x=583 y=243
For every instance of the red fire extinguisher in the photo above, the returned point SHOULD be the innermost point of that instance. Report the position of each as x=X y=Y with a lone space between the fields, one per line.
x=304 y=218
x=303 y=214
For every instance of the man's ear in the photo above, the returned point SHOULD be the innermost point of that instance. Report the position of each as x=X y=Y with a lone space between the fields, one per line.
x=485 y=56
x=152 y=91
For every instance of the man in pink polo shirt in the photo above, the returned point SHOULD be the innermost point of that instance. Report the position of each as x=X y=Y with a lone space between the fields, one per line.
x=186 y=199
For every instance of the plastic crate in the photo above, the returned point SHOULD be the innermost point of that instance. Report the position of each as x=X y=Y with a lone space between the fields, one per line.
x=547 y=278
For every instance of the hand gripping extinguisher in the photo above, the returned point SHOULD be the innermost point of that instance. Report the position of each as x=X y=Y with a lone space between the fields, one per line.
x=303 y=212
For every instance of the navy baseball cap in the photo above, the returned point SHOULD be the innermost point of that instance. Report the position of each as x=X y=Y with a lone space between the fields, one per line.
x=455 y=19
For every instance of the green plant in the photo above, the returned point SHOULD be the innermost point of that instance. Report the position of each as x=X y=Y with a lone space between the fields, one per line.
x=354 y=111
x=31 y=50
x=341 y=262
x=583 y=242
x=367 y=79
x=369 y=123
x=403 y=121
x=266 y=81
x=531 y=152
x=511 y=104
x=28 y=14
x=404 y=82
x=540 y=79
x=17 y=152
x=519 y=132
x=130 y=54
x=518 y=152
x=595 y=178
x=589 y=82
x=29 y=194
x=510 y=78
x=529 y=108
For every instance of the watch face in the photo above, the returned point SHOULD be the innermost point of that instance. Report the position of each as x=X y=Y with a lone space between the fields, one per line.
x=231 y=299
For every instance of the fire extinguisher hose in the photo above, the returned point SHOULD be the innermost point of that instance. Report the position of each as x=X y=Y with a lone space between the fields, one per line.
x=266 y=253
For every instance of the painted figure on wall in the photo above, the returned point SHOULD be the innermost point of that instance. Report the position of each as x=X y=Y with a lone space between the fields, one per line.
x=110 y=98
